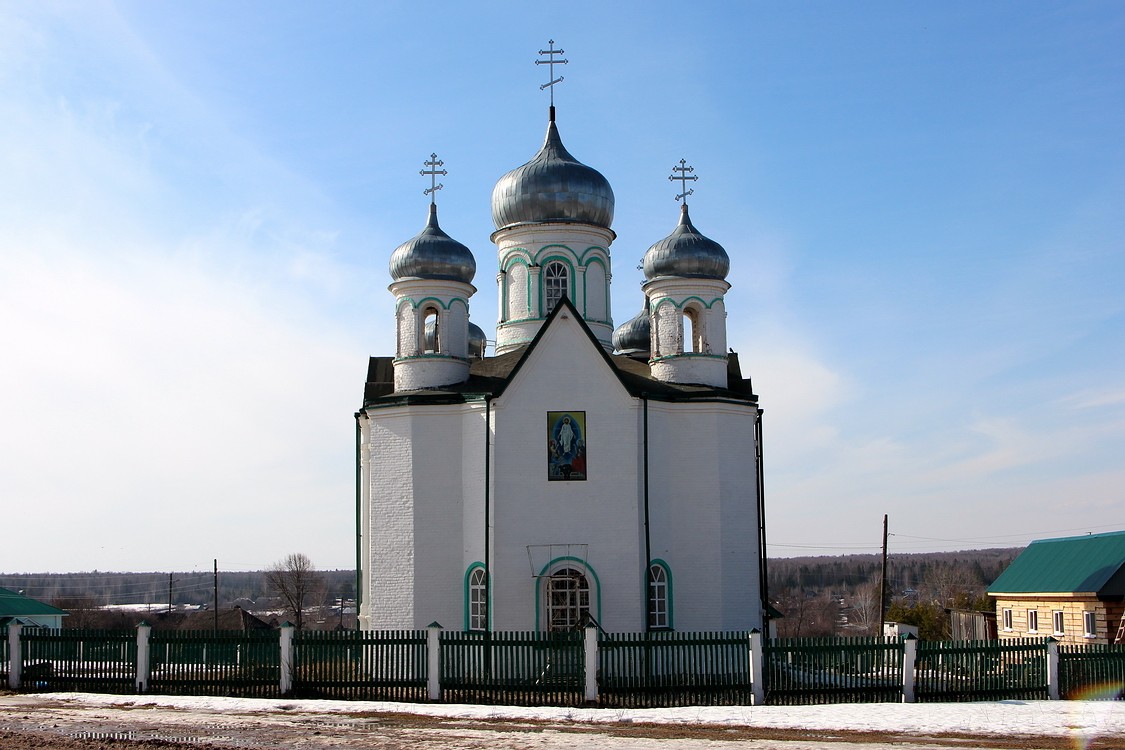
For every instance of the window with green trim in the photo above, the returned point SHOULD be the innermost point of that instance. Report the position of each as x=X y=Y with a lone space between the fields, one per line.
x=658 y=603
x=478 y=600
x=568 y=599
x=555 y=282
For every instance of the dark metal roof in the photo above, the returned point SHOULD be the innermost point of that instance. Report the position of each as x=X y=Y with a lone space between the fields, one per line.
x=15 y=604
x=489 y=377
x=1093 y=564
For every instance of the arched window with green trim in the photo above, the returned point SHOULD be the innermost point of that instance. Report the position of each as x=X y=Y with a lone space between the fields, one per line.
x=659 y=596
x=476 y=598
x=556 y=283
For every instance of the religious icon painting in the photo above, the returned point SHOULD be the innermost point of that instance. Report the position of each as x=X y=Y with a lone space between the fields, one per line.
x=566 y=446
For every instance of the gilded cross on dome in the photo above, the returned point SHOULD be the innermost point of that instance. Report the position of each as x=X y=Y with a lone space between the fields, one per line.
x=433 y=172
x=685 y=174
x=551 y=62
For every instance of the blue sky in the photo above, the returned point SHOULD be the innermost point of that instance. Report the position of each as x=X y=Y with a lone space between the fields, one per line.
x=923 y=205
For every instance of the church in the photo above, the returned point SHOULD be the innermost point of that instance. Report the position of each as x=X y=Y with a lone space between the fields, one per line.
x=581 y=473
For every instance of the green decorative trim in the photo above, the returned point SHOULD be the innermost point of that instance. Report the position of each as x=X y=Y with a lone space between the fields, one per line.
x=586 y=286
x=571 y=280
x=418 y=303
x=604 y=254
x=432 y=355
x=487 y=589
x=542 y=259
x=686 y=300
x=521 y=255
x=668 y=574
x=540 y=584
x=691 y=355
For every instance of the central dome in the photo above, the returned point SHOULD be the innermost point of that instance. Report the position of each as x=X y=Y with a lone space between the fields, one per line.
x=553 y=186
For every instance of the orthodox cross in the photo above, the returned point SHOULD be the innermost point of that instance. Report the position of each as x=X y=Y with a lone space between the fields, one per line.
x=433 y=172
x=683 y=176
x=551 y=62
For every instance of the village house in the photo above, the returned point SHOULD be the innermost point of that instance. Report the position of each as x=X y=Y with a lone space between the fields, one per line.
x=1072 y=589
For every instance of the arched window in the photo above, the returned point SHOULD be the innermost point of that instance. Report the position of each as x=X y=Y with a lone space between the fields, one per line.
x=568 y=599
x=555 y=277
x=692 y=342
x=478 y=600
x=431 y=333
x=659 y=598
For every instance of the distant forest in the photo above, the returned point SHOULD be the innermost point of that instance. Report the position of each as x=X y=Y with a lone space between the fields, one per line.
x=816 y=595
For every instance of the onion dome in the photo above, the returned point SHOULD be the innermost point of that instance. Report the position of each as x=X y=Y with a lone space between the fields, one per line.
x=633 y=336
x=553 y=186
x=686 y=252
x=477 y=342
x=433 y=254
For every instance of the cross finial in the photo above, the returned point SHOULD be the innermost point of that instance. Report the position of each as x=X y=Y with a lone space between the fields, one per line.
x=685 y=174
x=551 y=62
x=433 y=172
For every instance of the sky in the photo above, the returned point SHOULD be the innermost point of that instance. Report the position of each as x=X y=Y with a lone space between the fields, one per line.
x=924 y=205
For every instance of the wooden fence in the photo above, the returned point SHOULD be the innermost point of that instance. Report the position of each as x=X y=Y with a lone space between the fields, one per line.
x=571 y=668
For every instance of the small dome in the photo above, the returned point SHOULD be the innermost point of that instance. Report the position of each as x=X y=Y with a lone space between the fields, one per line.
x=477 y=342
x=633 y=336
x=553 y=186
x=433 y=254
x=686 y=252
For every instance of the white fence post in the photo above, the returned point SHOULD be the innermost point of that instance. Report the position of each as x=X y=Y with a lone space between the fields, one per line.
x=15 y=655
x=144 y=656
x=909 y=662
x=1053 y=691
x=757 y=668
x=590 y=644
x=433 y=661
x=286 y=685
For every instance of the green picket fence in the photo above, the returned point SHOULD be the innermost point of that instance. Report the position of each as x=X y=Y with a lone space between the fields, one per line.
x=361 y=665
x=1094 y=672
x=88 y=661
x=642 y=670
x=1010 y=669
x=801 y=671
x=215 y=662
x=513 y=668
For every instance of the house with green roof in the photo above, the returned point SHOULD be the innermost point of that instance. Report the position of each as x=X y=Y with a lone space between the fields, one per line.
x=17 y=608
x=1072 y=589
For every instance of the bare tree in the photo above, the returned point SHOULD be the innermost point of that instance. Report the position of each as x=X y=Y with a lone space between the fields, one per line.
x=295 y=580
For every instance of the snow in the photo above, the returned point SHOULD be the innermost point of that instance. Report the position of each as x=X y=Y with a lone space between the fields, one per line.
x=1081 y=720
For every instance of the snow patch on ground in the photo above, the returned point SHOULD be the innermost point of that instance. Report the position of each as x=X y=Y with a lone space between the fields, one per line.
x=1078 y=719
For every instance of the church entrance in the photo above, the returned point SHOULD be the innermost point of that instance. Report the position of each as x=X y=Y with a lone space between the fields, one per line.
x=568 y=600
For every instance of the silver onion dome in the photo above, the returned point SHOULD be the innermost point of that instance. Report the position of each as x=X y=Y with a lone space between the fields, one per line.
x=433 y=254
x=686 y=252
x=633 y=336
x=553 y=186
x=477 y=341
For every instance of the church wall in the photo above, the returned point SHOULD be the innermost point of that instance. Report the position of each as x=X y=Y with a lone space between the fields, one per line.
x=703 y=512
x=472 y=491
x=389 y=565
x=566 y=373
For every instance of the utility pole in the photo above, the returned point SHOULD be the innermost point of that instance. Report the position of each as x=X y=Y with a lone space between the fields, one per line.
x=169 y=592
x=216 y=593
x=883 y=581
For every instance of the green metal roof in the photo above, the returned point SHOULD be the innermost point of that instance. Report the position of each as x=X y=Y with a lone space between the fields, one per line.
x=13 y=604
x=1078 y=564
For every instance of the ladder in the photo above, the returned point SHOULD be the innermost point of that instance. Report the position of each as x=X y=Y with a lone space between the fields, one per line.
x=1120 y=639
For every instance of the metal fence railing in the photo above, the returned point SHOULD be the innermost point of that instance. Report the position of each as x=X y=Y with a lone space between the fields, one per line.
x=361 y=665
x=91 y=661
x=1011 y=669
x=533 y=668
x=833 y=670
x=1094 y=672
x=641 y=670
x=515 y=668
x=215 y=662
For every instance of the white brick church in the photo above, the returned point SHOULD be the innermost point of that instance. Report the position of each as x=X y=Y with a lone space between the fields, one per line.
x=582 y=474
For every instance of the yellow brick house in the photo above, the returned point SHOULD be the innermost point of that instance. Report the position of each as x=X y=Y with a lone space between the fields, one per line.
x=1072 y=589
